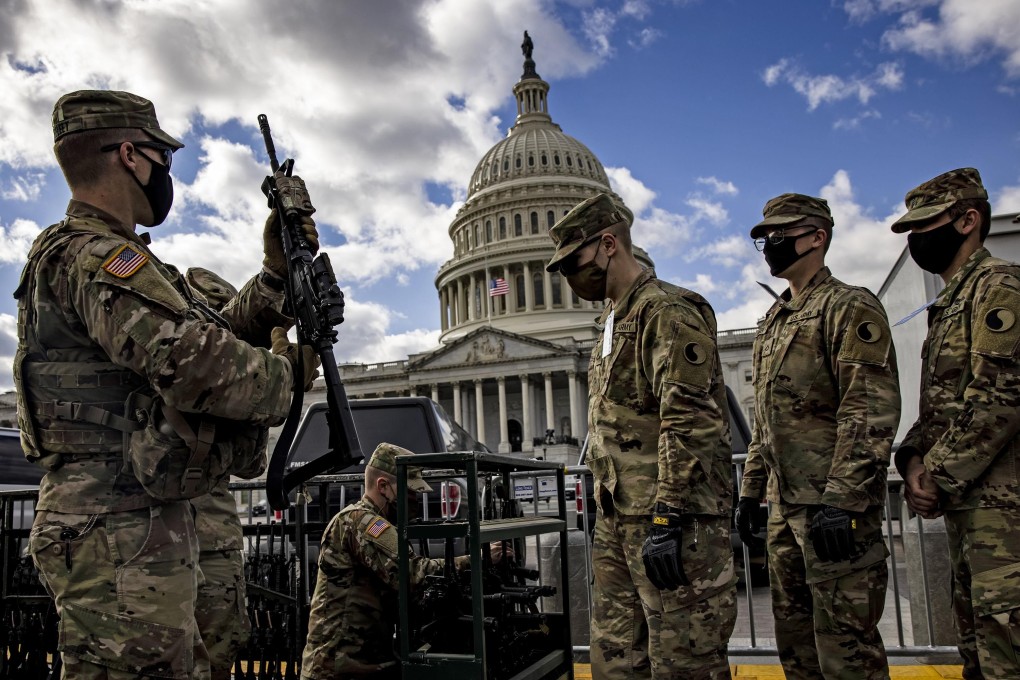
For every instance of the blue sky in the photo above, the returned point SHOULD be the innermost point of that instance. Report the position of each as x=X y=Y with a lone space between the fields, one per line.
x=700 y=110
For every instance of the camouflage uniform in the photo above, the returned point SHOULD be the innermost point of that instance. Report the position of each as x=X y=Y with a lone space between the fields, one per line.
x=354 y=607
x=968 y=431
x=220 y=608
x=658 y=434
x=827 y=406
x=101 y=318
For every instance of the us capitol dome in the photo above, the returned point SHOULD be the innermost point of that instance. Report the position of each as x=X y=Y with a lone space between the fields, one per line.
x=512 y=365
x=518 y=190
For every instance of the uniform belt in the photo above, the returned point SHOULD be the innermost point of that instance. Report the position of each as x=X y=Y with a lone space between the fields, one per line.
x=89 y=413
x=72 y=380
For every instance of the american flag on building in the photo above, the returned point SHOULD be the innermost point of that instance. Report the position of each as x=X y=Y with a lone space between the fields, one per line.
x=498 y=287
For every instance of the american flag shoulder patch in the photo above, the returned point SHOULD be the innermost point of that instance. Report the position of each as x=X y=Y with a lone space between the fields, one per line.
x=377 y=527
x=125 y=262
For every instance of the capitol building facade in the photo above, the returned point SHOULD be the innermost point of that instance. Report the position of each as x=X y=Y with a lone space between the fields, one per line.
x=512 y=367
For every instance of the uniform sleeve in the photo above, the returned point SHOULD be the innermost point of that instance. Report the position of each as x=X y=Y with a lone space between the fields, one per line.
x=863 y=362
x=680 y=359
x=145 y=325
x=255 y=311
x=374 y=545
x=986 y=421
x=755 y=471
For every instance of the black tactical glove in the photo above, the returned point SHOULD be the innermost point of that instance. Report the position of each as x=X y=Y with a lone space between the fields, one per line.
x=832 y=534
x=661 y=551
x=746 y=520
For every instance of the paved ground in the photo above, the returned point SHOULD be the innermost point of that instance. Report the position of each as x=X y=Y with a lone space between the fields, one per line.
x=771 y=672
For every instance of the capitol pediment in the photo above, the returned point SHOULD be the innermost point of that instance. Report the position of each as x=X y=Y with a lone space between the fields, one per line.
x=487 y=346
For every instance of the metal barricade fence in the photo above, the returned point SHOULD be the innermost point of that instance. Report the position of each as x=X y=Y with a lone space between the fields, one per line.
x=284 y=548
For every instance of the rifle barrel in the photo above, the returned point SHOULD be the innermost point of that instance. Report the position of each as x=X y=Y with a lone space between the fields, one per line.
x=268 y=137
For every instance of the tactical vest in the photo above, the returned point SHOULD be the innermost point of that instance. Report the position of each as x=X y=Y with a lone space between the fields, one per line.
x=74 y=405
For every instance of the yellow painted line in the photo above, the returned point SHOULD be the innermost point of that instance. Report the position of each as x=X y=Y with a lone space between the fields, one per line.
x=582 y=671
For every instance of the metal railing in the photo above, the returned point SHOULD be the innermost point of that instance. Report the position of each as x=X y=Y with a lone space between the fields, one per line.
x=901 y=633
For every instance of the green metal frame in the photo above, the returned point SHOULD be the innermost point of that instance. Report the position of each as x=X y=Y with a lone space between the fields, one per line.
x=426 y=666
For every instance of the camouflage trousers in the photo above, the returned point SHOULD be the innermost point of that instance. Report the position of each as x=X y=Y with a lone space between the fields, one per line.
x=124 y=585
x=639 y=631
x=984 y=550
x=827 y=613
x=220 y=609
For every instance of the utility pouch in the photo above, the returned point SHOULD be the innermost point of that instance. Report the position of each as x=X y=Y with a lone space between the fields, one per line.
x=174 y=457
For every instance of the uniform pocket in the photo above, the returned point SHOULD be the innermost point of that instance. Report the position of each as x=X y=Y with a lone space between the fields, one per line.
x=996 y=595
x=126 y=643
x=797 y=361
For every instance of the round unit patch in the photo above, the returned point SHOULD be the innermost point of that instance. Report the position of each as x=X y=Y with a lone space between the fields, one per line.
x=694 y=353
x=869 y=331
x=1000 y=320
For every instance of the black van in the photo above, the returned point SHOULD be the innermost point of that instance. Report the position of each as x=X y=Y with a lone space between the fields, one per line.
x=15 y=471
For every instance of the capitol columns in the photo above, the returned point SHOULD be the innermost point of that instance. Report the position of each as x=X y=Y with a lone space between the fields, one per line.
x=456 y=403
x=550 y=417
x=442 y=308
x=572 y=390
x=461 y=307
x=479 y=411
x=527 y=438
x=504 y=436
x=529 y=292
x=547 y=288
x=435 y=392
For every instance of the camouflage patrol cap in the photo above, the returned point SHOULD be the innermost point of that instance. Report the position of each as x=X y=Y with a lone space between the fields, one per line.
x=99 y=109
x=385 y=458
x=938 y=195
x=790 y=208
x=581 y=224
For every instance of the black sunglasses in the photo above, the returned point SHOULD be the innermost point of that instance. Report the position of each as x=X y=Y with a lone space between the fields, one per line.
x=568 y=266
x=166 y=152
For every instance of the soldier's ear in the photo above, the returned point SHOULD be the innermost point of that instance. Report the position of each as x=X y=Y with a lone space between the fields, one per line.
x=970 y=221
x=610 y=243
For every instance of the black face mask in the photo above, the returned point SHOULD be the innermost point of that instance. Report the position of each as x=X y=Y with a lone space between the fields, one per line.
x=780 y=256
x=934 y=250
x=159 y=191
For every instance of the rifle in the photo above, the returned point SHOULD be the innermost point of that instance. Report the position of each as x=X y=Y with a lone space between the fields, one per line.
x=317 y=306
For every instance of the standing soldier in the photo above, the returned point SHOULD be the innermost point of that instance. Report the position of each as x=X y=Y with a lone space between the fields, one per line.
x=220 y=610
x=960 y=459
x=135 y=396
x=827 y=406
x=660 y=455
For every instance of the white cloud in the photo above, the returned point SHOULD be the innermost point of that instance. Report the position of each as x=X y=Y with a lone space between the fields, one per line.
x=645 y=37
x=365 y=336
x=965 y=30
x=16 y=240
x=860 y=11
x=719 y=186
x=634 y=193
x=598 y=25
x=638 y=9
x=828 y=88
x=1007 y=200
x=705 y=209
x=367 y=110
x=24 y=187
x=854 y=123
x=8 y=345
x=728 y=252
x=863 y=247
x=862 y=254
